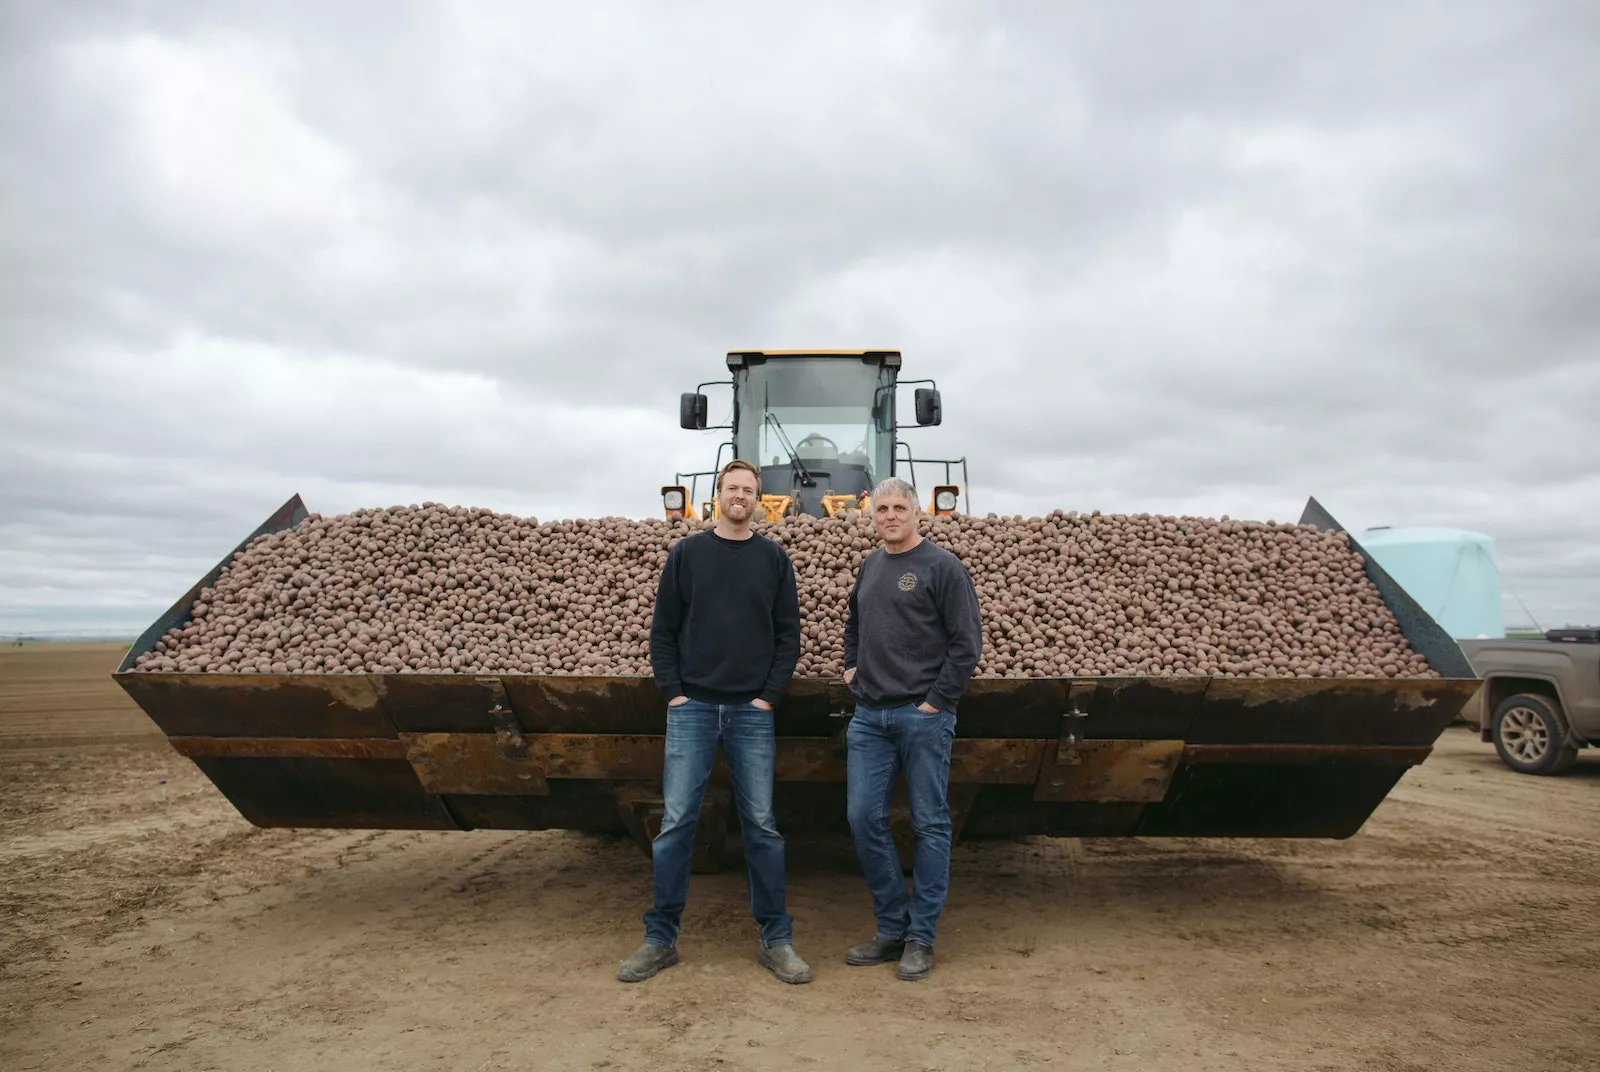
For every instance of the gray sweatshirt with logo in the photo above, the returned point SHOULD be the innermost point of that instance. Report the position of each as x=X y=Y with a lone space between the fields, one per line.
x=914 y=632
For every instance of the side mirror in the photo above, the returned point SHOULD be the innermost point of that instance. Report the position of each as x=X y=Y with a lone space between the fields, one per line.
x=927 y=403
x=691 y=411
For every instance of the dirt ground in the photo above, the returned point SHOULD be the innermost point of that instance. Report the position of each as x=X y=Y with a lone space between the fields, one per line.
x=144 y=924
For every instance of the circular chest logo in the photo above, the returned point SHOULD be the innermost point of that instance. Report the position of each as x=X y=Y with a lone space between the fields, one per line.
x=908 y=581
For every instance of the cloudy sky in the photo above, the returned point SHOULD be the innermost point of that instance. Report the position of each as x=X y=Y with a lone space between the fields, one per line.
x=1208 y=257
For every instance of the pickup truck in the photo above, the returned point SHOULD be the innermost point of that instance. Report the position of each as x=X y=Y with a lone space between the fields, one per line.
x=1540 y=700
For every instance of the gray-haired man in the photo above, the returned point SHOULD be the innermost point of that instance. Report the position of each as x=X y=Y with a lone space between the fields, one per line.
x=911 y=642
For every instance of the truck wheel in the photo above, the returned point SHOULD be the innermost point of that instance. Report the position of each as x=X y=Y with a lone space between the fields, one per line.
x=1531 y=735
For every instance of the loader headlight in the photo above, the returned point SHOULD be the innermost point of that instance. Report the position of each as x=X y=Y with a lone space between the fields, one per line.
x=675 y=499
x=944 y=499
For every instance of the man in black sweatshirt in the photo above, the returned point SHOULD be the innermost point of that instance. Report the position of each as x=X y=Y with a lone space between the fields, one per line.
x=910 y=645
x=723 y=644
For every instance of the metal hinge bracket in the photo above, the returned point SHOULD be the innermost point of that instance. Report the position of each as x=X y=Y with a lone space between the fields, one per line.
x=1068 y=752
x=506 y=730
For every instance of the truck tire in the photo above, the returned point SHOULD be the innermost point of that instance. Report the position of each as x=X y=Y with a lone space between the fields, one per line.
x=1531 y=735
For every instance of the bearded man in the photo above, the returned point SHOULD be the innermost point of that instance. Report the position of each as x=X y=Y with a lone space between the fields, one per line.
x=724 y=642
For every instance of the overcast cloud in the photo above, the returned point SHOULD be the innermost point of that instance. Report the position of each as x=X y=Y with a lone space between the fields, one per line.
x=1198 y=258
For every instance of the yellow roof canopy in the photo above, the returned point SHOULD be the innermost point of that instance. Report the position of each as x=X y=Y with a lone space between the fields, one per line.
x=815 y=353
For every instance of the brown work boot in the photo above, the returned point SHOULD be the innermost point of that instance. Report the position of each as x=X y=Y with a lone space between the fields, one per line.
x=877 y=951
x=916 y=962
x=785 y=963
x=646 y=961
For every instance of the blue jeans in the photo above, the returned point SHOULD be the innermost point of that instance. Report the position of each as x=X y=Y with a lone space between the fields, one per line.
x=693 y=729
x=882 y=744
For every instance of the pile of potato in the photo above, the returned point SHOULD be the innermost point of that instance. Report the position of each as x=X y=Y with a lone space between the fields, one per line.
x=448 y=589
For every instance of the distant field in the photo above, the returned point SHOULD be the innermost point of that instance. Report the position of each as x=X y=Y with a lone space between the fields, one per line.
x=62 y=694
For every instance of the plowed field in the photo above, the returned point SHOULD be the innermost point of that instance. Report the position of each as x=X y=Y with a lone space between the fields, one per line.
x=144 y=924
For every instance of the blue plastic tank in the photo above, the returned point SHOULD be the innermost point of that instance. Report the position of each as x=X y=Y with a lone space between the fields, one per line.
x=1452 y=573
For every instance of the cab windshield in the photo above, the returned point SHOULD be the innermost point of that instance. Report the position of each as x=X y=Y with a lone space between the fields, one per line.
x=824 y=408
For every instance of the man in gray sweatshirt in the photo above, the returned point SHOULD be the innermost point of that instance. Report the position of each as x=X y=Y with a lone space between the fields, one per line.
x=911 y=642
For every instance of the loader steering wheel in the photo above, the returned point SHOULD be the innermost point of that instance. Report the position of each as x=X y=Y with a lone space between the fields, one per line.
x=814 y=436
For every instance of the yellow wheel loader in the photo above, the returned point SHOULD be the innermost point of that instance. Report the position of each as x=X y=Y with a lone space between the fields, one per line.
x=1081 y=756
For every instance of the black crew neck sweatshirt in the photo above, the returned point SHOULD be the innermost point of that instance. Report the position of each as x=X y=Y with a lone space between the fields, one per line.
x=726 y=627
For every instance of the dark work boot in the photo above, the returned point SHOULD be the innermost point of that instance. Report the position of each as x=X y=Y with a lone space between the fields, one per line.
x=785 y=963
x=646 y=961
x=877 y=951
x=916 y=962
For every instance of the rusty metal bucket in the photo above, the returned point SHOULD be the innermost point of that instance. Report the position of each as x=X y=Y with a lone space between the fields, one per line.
x=1216 y=757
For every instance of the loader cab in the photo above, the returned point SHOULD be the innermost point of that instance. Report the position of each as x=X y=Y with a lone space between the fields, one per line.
x=819 y=424
x=816 y=425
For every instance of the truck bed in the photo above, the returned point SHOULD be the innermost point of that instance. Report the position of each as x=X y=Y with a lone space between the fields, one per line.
x=1567 y=670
